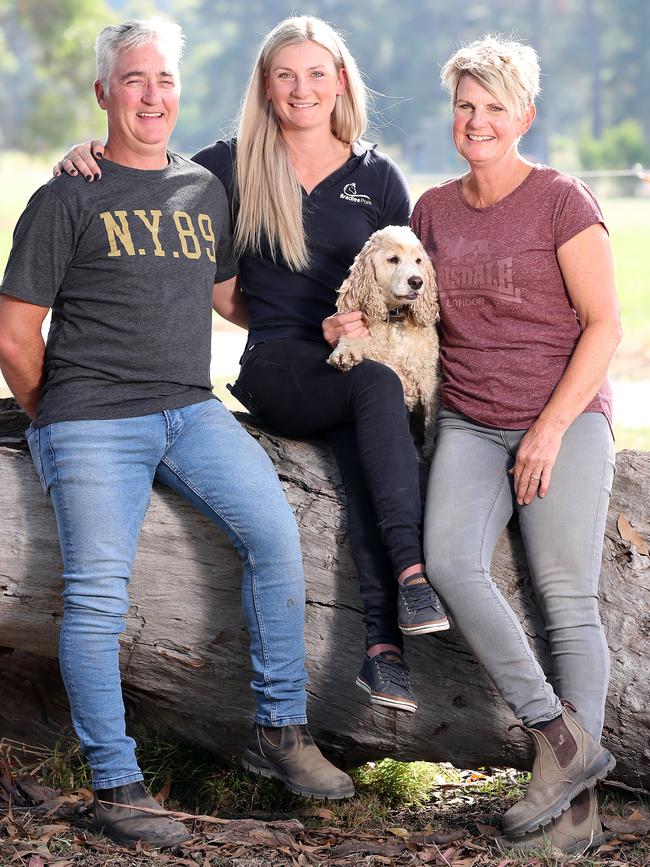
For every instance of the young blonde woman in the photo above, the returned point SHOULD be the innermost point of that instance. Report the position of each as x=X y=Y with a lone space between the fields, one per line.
x=529 y=322
x=306 y=193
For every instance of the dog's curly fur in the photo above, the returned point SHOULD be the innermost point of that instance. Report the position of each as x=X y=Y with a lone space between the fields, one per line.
x=385 y=277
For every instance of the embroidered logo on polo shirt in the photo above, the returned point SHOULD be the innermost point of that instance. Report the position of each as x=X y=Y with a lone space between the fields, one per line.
x=350 y=194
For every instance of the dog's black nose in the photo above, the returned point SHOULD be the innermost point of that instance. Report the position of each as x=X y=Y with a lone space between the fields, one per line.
x=415 y=282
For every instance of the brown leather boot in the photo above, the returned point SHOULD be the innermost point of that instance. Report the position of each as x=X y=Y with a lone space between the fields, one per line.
x=289 y=754
x=567 y=761
x=118 y=815
x=576 y=830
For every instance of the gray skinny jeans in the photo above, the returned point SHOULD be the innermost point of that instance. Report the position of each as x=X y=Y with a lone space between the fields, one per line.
x=470 y=500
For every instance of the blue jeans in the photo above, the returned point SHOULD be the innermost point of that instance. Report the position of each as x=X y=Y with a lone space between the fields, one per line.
x=99 y=475
x=469 y=502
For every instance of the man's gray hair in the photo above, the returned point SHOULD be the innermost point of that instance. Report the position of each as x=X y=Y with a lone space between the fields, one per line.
x=115 y=39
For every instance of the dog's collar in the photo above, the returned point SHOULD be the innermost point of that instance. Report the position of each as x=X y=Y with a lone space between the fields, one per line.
x=397 y=314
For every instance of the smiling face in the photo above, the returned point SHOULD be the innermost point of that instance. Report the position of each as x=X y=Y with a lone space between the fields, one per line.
x=484 y=130
x=142 y=106
x=303 y=83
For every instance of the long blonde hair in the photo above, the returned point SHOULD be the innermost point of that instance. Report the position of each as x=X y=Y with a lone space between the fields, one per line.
x=268 y=193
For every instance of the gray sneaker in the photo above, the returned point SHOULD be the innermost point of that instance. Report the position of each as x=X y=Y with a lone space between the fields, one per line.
x=386 y=678
x=418 y=608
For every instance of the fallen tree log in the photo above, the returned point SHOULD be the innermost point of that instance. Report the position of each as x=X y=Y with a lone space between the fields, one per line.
x=185 y=650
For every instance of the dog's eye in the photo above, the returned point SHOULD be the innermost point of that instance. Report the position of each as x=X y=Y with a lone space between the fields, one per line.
x=418 y=261
x=394 y=260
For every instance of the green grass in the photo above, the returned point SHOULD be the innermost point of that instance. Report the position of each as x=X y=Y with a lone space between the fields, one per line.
x=628 y=221
x=402 y=784
x=637 y=439
x=198 y=785
x=20 y=175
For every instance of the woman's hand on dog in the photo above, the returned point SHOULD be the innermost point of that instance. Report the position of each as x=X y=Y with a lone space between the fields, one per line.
x=344 y=325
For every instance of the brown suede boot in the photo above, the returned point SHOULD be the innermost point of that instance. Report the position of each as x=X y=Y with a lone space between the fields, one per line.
x=577 y=830
x=289 y=754
x=567 y=761
x=118 y=814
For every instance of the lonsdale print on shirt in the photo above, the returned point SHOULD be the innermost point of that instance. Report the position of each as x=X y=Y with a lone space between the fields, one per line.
x=468 y=272
x=191 y=235
x=508 y=324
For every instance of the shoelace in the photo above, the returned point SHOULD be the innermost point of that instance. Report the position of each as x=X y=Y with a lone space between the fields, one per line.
x=421 y=596
x=396 y=673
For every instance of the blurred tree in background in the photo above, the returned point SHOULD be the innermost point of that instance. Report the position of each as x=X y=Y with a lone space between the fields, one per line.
x=624 y=144
x=595 y=57
x=47 y=69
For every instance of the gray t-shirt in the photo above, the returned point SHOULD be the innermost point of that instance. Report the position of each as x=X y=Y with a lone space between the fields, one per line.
x=127 y=266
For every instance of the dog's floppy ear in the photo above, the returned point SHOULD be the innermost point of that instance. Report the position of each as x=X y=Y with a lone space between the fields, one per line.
x=360 y=290
x=425 y=310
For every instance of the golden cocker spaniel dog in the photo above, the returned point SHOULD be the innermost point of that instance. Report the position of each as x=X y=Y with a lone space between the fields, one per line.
x=393 y=283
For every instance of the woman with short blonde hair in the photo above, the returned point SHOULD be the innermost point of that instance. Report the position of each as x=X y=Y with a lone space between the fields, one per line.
x=506 y=68
x=529 y=323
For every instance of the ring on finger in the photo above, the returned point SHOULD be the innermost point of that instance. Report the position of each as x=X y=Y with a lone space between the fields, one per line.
x=536 y=478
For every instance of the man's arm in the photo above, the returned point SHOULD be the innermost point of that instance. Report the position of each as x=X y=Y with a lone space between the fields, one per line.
x=22 y=350
x=229 y=302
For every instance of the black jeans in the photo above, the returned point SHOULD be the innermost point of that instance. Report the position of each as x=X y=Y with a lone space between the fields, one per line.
x=290 y=386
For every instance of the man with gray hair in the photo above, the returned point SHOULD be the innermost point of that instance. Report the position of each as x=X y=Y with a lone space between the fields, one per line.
x=121 y=395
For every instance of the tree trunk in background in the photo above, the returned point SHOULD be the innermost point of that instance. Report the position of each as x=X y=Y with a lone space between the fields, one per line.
x=184 y=654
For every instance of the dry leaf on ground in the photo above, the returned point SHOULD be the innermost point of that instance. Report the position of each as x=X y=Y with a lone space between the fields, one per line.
x=163 y=794
x=317 y=813
x=638 y=822
x=631 y=535
x=487 y=830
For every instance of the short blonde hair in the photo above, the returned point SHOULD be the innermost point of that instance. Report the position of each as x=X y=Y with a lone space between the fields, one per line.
x=508 y=69
x=268 y=192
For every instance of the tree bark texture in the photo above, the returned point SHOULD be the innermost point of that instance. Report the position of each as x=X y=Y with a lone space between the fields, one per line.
x=184 y=653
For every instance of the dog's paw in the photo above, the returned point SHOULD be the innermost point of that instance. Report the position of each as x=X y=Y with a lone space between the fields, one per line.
x=344 y=359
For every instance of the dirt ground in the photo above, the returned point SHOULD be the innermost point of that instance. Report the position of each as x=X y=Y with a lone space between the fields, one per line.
x=43 y=827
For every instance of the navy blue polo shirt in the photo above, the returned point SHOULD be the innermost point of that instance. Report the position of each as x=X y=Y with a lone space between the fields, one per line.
x=368 y=193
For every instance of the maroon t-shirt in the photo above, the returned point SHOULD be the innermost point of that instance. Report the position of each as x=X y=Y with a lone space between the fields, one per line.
x=508 y=329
